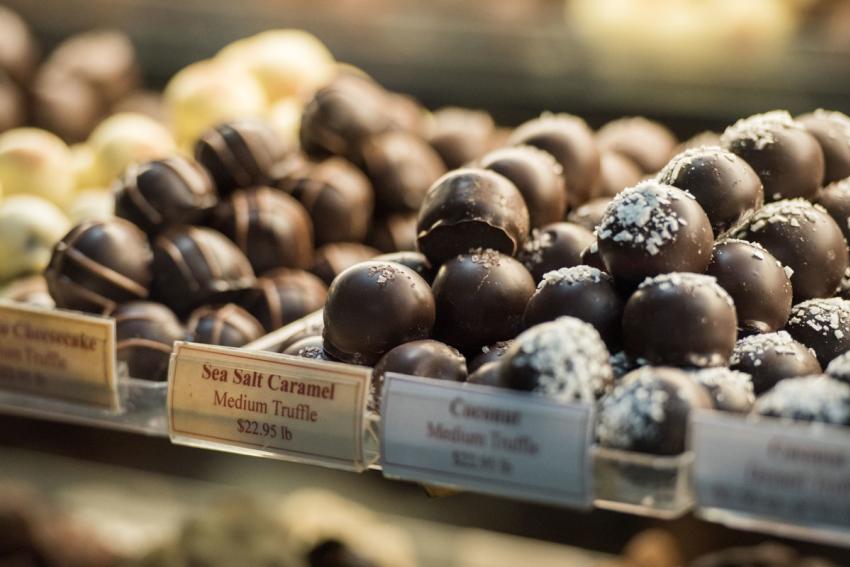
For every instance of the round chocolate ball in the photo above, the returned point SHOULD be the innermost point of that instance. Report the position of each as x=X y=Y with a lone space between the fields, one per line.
x=65 y=104
x=375 y=306
x=223 y=325
x=571 y=143
x=555 y=246
x=616 y=172
x=285 y=295
x=730 y=390
x=647 y=143
x=832 y=131
x=835 y=198
x=590 y=214
x=804 y=238
x=581 y=292
x=239 y=154
x=98 y=265
x=480 y=299
x=471 y=208
x=723 y=184
x=786 y=157
x=647 y=412
x=413 y=260
x=311 y=327
x=680 y=319
x=758 y=283
x=269 y=226
x=460 y=135
x=823 y=325
x=818 y=398
x=653 y=229
x=145 y=333
x=564 y=360
x=331 y=259
x=590 y=257
x=194 y=266
x=487 y=354
x=309 y=347
x=538 y=177
x=393 y=233
x=771 y=357
x=489 y=374
x=163 y=193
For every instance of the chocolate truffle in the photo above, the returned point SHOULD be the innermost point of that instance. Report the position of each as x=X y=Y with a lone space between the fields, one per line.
x=590 y=257
x=835 y=198
x=648 y=411
x=653 y=229
x=555 y=246
x=19 y=52
x=30 y=227
x=413 y=260
x=426 y=358
x=480 y=299
x=489 y=374
x=13 y=109
x=285 y=295
x=337 y=196
x=193 y=266
x=832 y=131
x=804 y=238
x=460 y=135
x=771 y=357
x=124 y=139
x=223 y=325
x=564 y=360
x=471 y=208
x=823 y=325
x=704 y=138
x=311 y=327
x=406 y=113
x=331 y=259
x=373 y=307
x=759 y=285
x=680 y=319
x=98 y=265
x=785 y=156
x=401 y=167
x=393 y=233
x=145 y=333
x=538 y=177
x=581 y=292
x=590 y=214
x=622 y=364
x=239 y=154
x=616 y=172
x=269 y=226
x=487 y=354
x=730 y=390
x=818 y=398
x=571 y=143
x=647 y=143
x=839 y=368
x=309 y=347
x=723 y=184
x=164 y=193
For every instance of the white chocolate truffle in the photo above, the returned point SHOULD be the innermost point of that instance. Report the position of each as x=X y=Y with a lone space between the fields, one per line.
x=36 y=162
x=29 y=228
x=124 y=139
x=91 y=204
x=285 y=119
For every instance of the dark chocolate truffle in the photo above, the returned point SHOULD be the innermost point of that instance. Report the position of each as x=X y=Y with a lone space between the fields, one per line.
x=145 y=333
x=471 y=208
x=835 y=198
x=487 y=354
x=224 y=325
x=164 y=193
x=401 y=167
x=647 y=143
x=564 y=360
x=723 y=184
x=572 y=144
x=98 y=265
x=785 y=156
x=590 y=214
x=680 y=319
x=823 y=325
x=65 y=104
x=832 y=131
x=581 y=292
x=817 y=398
x=269 y=226
x=730 y=390
x=648 y=411
x=555 y=246
x=285 y=295
x=331 y=259
x=771 y=357
x=538 y=177
x=239 y=154
x=460 y=135
x=804 y=238
x=616 y=172
x=839 y=367
x=489 y=374
x=393 y=233
x=373 y=307
x=413 y=260
x=590 y=257
x=480 y=299
x=653 y=229
x=194 y=266
x=758 y=283
x=309 y=347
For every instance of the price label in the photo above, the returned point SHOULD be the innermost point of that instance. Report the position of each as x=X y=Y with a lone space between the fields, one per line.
x=58 y=354
x=486 y=440
x=267 y=404
x=794 y=473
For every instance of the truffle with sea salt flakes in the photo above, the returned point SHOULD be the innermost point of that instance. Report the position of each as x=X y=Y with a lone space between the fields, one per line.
x=818 y=398
x=822 y=325
x=309 y=347
x=835 y=198
x=832 y=131
x=647 y=143
x=771 y=357
x=731 y=390
x=487 y=354
x=589 y=215
x=554 y=246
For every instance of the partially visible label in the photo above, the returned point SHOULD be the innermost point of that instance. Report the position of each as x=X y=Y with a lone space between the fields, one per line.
x=796 y=473
x=58 y=354
x=487 y=440
x=283 y=406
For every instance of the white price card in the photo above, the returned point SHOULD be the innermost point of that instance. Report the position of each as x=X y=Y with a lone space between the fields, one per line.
x=488 y=440
x=790 y=472
x=267 y=404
